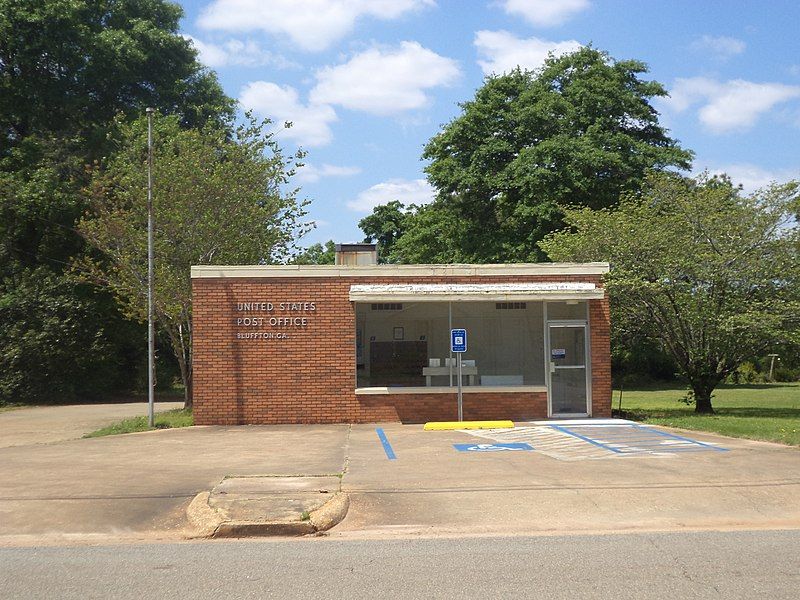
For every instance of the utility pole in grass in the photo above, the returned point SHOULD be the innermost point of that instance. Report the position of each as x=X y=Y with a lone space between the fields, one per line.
x=151 y=350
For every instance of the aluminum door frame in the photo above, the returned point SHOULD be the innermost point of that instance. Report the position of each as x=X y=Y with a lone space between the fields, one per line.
x=587 y=366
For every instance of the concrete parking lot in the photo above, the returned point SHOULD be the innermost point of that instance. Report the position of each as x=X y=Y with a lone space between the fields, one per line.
x=432 y=488
x=139 y=485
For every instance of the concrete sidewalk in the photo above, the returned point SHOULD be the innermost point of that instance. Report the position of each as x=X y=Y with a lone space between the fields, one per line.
x=139 y=485
x=46 y=424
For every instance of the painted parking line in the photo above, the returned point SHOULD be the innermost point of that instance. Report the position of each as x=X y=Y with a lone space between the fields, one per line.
x=547 y=441
x=584 y=438
x=583 y=441
x=387 y=447
x=636 y=439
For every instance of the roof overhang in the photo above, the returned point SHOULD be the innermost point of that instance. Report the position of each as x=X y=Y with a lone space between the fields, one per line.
x=469 y=292
x=552 y=270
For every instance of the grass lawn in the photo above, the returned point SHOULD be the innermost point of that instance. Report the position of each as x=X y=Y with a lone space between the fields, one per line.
x=164 y=420
x=769 y=412
x=8 y=407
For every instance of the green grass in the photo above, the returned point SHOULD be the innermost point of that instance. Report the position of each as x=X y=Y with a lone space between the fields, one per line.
x=8 y=407
x=769 y=412
x=164 y=420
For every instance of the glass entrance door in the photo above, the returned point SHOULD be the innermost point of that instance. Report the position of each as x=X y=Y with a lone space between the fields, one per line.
x=568 y=389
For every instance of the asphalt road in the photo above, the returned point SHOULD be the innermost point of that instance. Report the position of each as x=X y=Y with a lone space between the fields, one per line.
x=743 y=564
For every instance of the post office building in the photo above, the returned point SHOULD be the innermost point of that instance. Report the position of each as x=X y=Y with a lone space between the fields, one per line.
x=367 y=343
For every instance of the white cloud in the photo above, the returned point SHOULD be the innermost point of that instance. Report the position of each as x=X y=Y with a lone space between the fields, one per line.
x=545 y=13
x=752 y=177
x=311 y=24
x=385 y=81
x=416 y=191
x=311 y=173
x=719 y=47
x=237 y=52
x=310 y=122
x=728 y=106
x=501 y=51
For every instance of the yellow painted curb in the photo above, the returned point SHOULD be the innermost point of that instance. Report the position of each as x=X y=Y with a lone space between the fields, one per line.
x=445 y=425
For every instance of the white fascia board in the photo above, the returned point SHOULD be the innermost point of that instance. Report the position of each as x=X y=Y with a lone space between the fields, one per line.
x=275 y=271
x=528 y=297
x=499 y=292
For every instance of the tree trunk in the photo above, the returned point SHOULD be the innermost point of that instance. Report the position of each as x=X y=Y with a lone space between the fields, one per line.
x=186 y=378
x=702 y=397
x=188 y=392
x=184 y=356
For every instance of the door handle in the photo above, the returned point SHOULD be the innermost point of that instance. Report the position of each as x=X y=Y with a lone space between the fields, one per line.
x=552 y=367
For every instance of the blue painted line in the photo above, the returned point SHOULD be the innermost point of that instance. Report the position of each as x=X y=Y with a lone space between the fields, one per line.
x=679 y=437
x=387 y=447
x=586 y=439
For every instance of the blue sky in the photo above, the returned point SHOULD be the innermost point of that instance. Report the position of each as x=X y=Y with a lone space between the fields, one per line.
x=368 y=82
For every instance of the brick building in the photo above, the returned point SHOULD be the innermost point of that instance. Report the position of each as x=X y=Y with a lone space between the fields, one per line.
x=364 y=343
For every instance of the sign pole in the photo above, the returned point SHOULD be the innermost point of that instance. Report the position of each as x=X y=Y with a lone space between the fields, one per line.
x=458 y=345
x=460 y=399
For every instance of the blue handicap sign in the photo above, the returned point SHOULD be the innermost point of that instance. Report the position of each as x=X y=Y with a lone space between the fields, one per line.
x=491 y=447
x=458 y=340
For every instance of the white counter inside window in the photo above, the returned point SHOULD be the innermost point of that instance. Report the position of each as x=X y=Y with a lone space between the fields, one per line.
x=469 y=389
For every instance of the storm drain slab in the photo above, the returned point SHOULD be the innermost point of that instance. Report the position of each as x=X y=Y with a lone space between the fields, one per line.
x=582 y=442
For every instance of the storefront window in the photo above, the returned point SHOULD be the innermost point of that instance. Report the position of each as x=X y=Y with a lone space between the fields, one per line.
x=408 y=344
x=569 y=310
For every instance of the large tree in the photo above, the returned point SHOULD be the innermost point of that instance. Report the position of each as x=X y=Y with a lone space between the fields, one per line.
x=385 y=226
x=581 y=130
x=218 y=200
x=68 y=68
x=710 y=273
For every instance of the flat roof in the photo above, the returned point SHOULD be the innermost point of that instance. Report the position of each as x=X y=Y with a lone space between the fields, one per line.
x=271 y=271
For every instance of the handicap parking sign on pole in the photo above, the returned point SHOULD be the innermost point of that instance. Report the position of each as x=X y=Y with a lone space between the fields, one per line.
x=458 y=344
x=458 y=340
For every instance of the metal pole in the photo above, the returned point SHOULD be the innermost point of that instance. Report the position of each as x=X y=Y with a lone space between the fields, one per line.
x=151 y=346
x=772 y=365
x=460 y=404
x=450 y=328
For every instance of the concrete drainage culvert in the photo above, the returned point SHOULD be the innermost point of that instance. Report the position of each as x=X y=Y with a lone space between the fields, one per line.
x=269 y=506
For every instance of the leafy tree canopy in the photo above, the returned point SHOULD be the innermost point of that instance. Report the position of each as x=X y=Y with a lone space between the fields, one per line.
x=317 y=254
x=67 y=67
x=217 y=200
x=579 y=131
x=385 y=226
x=710 y=273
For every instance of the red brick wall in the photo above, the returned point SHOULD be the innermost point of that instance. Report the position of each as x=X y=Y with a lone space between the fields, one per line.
x=420 y=408
x=600 y=346
x=310 y=377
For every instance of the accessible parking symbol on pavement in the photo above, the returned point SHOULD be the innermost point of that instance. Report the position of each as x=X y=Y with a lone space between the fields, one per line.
x=492 y=447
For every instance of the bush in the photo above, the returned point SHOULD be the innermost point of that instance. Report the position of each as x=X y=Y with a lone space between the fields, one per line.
x=747 y=372
x=54 y=345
